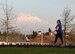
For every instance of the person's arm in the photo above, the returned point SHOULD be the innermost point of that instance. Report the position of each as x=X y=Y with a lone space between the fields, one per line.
x=57 y=28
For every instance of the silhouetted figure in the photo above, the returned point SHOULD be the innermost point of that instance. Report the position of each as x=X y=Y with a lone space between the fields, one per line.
x=59 y=31
x=49 y=31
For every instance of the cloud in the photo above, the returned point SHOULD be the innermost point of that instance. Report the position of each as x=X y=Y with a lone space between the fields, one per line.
x=27 y=23
x=24 y=18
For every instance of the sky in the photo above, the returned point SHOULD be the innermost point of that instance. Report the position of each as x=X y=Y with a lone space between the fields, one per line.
x=40 y=14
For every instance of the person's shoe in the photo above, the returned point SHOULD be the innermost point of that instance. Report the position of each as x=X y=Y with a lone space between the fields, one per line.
x=61 y=45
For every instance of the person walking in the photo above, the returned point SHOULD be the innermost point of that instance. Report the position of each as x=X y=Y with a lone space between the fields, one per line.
x=59 y=32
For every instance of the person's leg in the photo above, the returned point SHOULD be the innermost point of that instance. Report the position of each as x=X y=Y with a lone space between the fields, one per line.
x=61 y=38
x=56 y=38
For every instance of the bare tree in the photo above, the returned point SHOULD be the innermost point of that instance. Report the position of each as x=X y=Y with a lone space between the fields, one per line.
x=68 y=22
x=7 y=20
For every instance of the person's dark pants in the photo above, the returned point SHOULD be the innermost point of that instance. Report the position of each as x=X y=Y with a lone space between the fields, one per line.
x=59 y=36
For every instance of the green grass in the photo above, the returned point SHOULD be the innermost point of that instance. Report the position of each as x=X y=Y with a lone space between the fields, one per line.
x=19 y=50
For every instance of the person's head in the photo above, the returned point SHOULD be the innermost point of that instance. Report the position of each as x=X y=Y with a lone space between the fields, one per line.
x=58 y=22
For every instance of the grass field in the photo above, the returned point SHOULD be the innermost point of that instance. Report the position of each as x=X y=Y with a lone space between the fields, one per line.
x=36 y=50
